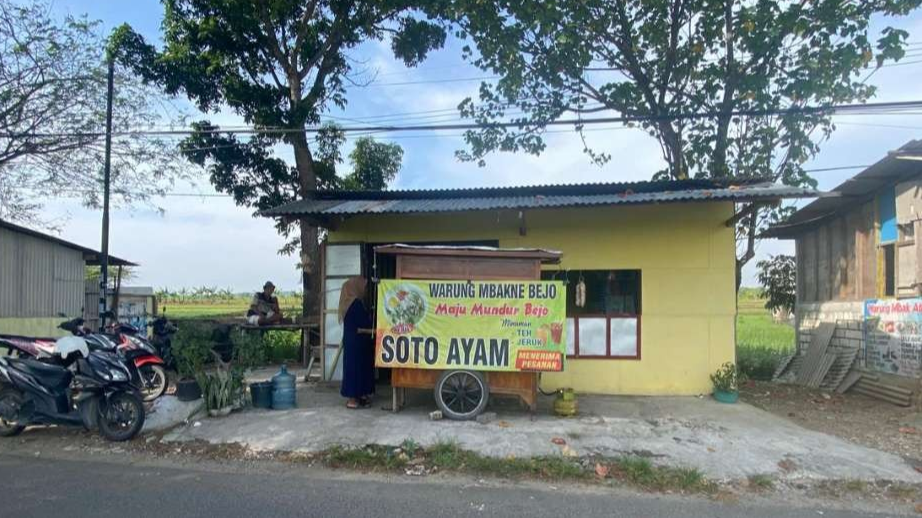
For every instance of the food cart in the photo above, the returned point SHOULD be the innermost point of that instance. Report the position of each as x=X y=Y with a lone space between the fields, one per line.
x=468 y=322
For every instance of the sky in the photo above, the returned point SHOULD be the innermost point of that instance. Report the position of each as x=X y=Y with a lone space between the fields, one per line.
x=208 y=241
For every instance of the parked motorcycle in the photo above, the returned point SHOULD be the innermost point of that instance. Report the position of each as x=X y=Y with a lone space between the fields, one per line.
x=145 y=356
x=93 y=389
x=119 y=337
x=162 y=339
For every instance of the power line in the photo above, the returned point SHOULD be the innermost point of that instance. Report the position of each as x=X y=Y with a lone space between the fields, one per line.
x=840 y=168
x=431 y=81
x=840 y=109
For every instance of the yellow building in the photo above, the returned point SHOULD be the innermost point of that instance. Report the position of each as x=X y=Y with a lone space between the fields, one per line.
x=657 y=260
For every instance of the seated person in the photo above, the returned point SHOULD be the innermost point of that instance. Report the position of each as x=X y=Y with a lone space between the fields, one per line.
x=264 y=309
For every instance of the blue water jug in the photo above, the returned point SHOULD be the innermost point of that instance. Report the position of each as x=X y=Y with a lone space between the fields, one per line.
x=283 y=390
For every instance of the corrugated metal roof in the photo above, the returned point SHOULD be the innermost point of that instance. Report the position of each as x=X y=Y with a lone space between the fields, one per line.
x=92 y=257
x=346 y=203
x=890 y=170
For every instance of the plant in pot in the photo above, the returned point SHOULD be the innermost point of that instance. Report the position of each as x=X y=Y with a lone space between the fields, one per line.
x=222 y=388
x=192 y=349
x=726 y=383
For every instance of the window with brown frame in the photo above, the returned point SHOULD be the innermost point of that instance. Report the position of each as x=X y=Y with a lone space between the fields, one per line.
x=606 y=324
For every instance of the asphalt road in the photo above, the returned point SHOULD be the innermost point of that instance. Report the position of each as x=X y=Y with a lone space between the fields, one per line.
x=85 y=488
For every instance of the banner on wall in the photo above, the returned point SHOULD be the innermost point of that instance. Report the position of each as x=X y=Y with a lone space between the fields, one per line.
x=483 y=325
x=894 y=336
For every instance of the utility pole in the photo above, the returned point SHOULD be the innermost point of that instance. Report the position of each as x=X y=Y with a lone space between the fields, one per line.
x=107 y=170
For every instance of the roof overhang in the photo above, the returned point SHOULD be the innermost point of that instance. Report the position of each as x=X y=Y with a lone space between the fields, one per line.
x=90 y=256
x=898 y=166
x=544 y=255
x=328 y=208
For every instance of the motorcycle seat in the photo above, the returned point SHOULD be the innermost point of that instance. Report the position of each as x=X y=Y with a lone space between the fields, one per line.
x=54 y=377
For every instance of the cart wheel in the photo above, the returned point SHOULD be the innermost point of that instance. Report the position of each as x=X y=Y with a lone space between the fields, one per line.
x=461 y=395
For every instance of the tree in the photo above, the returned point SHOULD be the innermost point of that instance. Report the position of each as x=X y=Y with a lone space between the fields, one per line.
x=374 y=165
x=52 y=108
x=95 y=272
x=661 y=59
x=279 y=65
x=778 y=278
x=256 y=179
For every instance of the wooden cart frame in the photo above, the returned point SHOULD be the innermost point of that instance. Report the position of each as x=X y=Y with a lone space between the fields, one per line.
x=474 y=264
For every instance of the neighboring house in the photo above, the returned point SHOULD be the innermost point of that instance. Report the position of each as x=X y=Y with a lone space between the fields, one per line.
x=658 y=260
x=859 y=263
x=41 y=278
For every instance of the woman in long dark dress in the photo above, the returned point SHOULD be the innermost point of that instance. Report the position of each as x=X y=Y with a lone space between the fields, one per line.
x=358 y=346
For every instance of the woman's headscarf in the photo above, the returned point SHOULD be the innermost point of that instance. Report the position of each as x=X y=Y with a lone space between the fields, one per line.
x=353 y=289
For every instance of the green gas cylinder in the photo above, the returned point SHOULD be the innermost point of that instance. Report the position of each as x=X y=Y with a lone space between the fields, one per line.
x=565 y=405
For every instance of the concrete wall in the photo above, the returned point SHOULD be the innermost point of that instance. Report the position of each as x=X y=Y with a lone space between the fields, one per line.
x=38 y=280
x=41 y=327
x=849 y=320
x=684 y=251
x=848 y=317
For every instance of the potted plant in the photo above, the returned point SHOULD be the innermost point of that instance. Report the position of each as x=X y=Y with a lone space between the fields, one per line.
x=726 y=383
x=191 y=348
x=222 y=388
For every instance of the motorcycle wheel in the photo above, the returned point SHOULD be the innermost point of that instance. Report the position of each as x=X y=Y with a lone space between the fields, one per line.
x=121 y=417
x=12 y=398
x=154 y=381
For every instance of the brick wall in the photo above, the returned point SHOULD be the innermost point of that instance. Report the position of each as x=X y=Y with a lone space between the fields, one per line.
x=848 y=316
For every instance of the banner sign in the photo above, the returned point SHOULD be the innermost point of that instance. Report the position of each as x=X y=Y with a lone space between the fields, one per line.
x=483 y=325
x=894 y=336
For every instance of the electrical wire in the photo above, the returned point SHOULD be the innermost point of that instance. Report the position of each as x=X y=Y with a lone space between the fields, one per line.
x=841 y=109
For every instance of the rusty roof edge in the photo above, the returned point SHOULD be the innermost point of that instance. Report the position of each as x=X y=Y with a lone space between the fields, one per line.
x=328 y=208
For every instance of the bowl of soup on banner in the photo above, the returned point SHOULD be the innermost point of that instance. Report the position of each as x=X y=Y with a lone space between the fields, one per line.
x=483 y=325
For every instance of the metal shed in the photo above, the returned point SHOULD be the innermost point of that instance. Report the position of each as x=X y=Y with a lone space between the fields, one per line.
x=41 y=277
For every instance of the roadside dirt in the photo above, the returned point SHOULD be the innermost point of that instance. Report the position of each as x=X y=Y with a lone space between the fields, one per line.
x=852 y=417
x=75 y=444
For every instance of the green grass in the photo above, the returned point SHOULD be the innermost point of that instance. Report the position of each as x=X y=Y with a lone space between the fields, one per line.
x=761 y=482
x=760 y=341
x=450 y=457
x=762 y=331
x=217 y=310
x=641 y=472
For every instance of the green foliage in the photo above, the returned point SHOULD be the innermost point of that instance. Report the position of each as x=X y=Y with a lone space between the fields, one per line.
x=761 y=482
x=641 y=472
x=759 y=362
x=727 y=378
x=448 y=456
x=94 y=272
x=282 y=345
x=374 y=165
x=277 y=64
x=748 y=293
x=223 y=387
x=760 y=330
x=778 y=277
x=249 y=348
x=192 y=346
x=660 y=61
x=659 y=58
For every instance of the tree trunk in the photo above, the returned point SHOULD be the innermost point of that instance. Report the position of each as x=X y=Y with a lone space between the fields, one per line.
x=310 y=247
x=750 y=252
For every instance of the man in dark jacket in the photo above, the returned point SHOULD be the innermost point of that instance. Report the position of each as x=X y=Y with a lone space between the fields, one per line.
x=264 y=309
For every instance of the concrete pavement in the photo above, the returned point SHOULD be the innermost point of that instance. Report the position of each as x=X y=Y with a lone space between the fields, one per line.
x=43 y=487
x=723 y=441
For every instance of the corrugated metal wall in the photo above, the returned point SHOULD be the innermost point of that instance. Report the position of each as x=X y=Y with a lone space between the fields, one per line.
x=39 y=278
